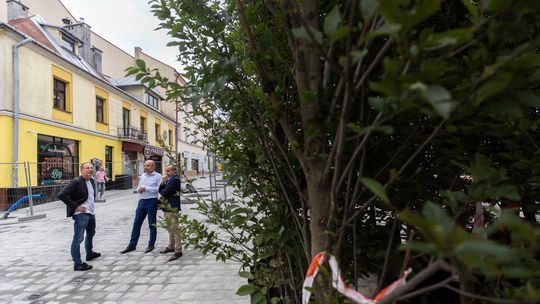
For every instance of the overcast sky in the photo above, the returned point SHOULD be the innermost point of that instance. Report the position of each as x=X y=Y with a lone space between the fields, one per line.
x=126 y=23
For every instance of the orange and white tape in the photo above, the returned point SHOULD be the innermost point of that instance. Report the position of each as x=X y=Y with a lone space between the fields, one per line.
x=337 y=282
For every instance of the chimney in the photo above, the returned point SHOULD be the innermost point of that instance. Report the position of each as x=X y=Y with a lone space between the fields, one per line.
x=16 y=10
x=81 y=30
x=96 y=59
x=66 y=21
x=138 y=51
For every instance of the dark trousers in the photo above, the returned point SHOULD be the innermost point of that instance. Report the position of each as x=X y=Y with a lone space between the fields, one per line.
x=82 y=222
x=144 y=207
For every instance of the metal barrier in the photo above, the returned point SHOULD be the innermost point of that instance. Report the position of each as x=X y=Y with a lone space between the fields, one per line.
x=46 y=179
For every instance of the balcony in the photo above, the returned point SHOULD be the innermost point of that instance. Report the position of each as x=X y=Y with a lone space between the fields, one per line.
x=132 y=133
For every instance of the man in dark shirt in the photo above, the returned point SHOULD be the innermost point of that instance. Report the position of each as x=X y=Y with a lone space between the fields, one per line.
x=170 y=191
x=79 y=197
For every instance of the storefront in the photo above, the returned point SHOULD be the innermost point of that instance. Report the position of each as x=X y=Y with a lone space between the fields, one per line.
x=130 y=165
x=155 y=154
x=58 y=159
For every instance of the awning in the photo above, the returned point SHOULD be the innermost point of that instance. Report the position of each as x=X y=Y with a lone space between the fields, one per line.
x=129 y=146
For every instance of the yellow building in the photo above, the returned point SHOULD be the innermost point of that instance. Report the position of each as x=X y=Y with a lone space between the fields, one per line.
x=115 y=61
x=57 y=108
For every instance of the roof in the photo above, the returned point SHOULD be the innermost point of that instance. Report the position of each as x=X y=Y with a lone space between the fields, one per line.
x=130 y=81
x=28 y=27
x=35 y=28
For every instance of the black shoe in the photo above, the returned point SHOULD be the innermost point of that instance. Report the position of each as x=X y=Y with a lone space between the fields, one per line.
x=175 y=256
x=82 y=267
x=167 y=250
x=148 y=249
x=128 y=249
x=93 y=255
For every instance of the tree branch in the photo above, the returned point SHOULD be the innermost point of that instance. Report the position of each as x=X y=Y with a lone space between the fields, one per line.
x=411 y=284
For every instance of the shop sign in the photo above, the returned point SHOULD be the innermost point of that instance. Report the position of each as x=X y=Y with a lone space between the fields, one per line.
x=54 y=149
x=150 y=151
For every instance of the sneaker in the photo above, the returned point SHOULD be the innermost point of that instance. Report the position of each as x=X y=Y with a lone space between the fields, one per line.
x=82 y=267
x=93 y=255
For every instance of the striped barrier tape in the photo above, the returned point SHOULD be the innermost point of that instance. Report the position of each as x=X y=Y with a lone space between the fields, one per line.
x=337 y=282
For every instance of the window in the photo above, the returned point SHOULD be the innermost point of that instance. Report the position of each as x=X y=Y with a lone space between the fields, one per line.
x=100 y=112
x=57 y=159
x=170 y=137
x=157 y=129
x=125 y=121
x=195 y=165
x=68 y=44
x=143 y=124
x=60 y=95
x=108 y=161
x=152 y=100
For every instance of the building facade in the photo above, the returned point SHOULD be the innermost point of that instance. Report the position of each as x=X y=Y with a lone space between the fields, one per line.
x=115 y=61
x=58 y=109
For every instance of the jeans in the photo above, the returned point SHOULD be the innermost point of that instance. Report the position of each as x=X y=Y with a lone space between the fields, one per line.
x=144 y=207
x=82 y=222
x=100 y=188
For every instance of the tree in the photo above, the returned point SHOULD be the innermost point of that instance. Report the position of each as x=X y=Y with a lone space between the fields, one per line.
x=347 y=125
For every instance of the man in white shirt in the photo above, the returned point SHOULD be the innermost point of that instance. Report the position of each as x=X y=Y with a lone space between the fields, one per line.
x=148 y=188
x=79 y=197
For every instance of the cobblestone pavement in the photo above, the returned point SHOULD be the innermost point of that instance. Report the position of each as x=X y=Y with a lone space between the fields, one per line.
x=36 y=266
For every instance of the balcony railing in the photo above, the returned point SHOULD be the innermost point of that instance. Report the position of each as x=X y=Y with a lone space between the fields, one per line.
x=129 y=132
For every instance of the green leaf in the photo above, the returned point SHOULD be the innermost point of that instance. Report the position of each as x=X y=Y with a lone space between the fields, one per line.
x=440 y=98
x=527 y=98
x=246 y=290
x=437 y=96
x=497 y=5
x=517 y=272
x=140 y=63
x=246 y=274
x=257 y=298
x=420 y=247
x=302 y=33
x=375 y=187
x=493 y=86
x=368 y=7
x=386 y=29
x=483 y=247
x=506 y=191
x=308 y=96
x=332 y=20
x=438 y=215
x=378 y=103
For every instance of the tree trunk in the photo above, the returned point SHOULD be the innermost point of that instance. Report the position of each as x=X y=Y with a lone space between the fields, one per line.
x=319 y=206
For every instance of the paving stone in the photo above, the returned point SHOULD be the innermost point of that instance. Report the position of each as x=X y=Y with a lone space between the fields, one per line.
x=116 y=278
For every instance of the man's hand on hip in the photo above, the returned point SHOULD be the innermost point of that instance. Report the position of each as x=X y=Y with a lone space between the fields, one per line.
x=80 y=209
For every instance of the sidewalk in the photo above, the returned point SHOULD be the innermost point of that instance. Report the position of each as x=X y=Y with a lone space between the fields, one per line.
x=37 y=266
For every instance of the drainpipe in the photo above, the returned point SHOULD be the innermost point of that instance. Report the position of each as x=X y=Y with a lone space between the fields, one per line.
x=177 y=127
x=15 y=52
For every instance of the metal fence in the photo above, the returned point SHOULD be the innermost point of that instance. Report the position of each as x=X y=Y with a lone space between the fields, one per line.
x=36 y=185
